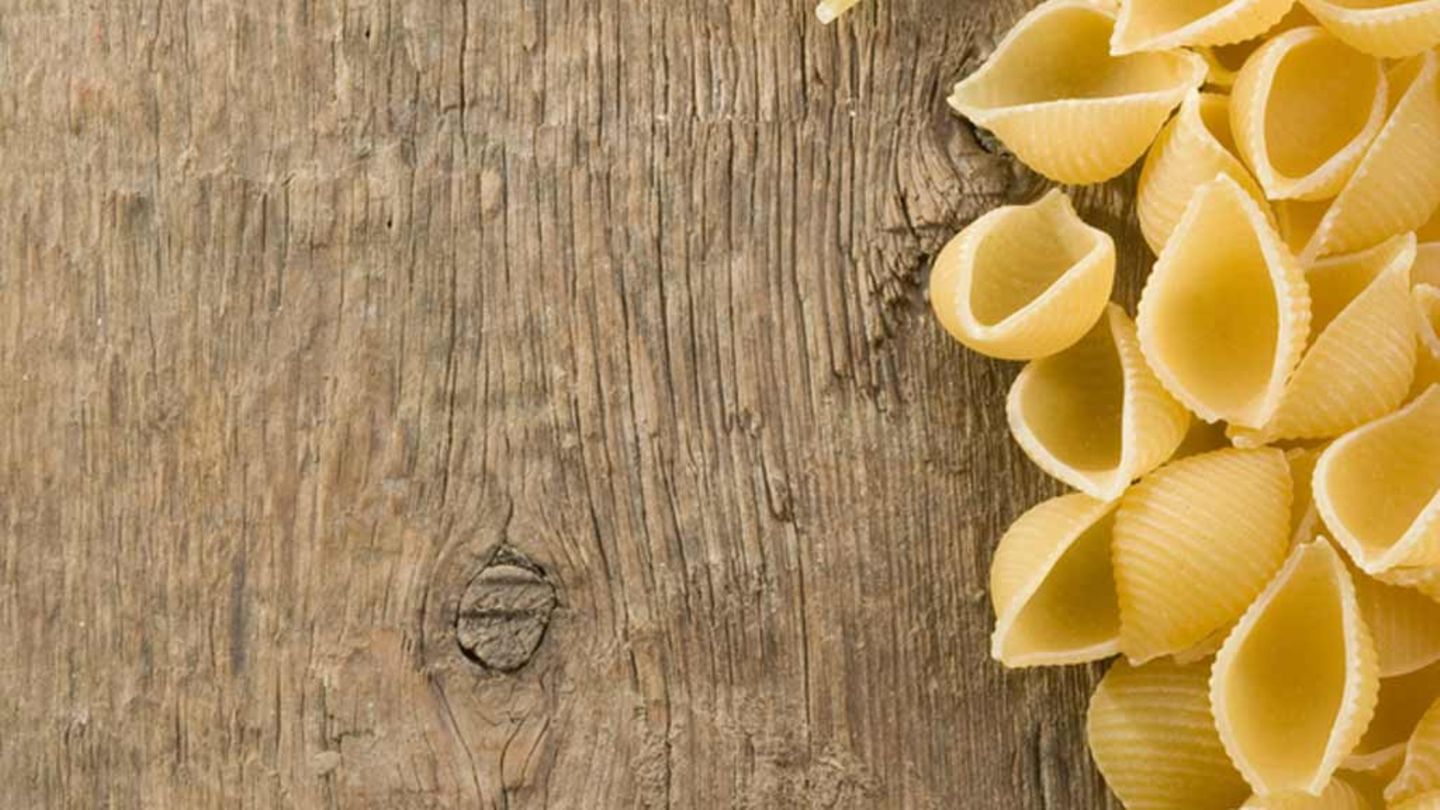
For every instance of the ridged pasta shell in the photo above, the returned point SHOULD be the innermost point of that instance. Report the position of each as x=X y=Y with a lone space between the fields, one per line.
x=1295 y=684
x=1338 y=795
x=1304 y=518
x=1401 y=702
x=1378 y=488
x=1298 y=220
x=1427 y=801
x=1053 y=93
x=1390 y=28
x=1189 y=152
x=1051 y=585
x=1157 y=25
x=1427 y=323
x=1223 y=62
x=1151 y=736
x=1225 y=313
x=1194 y=543
x=1023 y=281
x=1404 y=623
x=1303 y=110
x=1420 y=772
x=1397 y=183
x=1093 y=415
x=1425 y=579
x=1427 y=264
x=1361 y=362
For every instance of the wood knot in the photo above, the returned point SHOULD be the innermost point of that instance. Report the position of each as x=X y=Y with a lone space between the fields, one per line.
x=504 y=612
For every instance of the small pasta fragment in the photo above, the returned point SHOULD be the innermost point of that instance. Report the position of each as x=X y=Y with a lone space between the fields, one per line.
x=1390 y=28
x=1157 y=25
x=1052 y=588
x=1225 y=313
x=1023 y=281
x=1339 y=794
x=1427 y=322
x=1378 y=488
x=1053 y=93
x=1194 y=543
x=1401 y=702
x=1151 y=735
x=830 y=10
x=1295 y=684
x=1093 y=415
x=1404 y=623
x=1224 y=61
x=1190 y=151
x=1420 y=771
x=1303 y=110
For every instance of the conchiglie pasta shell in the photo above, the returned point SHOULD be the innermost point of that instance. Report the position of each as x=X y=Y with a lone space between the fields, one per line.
x=1054 y=94
x=1420 y=772
x=1225 y=313
x=1093 y=415
x=1304 y=518
x=1223 y=62
x=1397 y=184
x=1388 y=28
x=1338 y=795
x=1427 y=322
x=1401 y=702
x=1376 y=488
x=1427 y=264
x=1425 y=579
x=1194 y=543
x=1303 y=109
x=1190 y=151
x=1051 y=585
x=1404 y=623
x=1157 y=25
x=1151 y=735
x=1427 y=801
x=1295 y=684
x=1023 y=281
x=1298 y=220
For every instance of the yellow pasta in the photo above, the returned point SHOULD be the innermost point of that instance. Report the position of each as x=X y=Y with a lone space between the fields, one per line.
x=1427 y=322
x=1388 y=28
x=1427 y=253
x=1426 y=801
x=1298 y=220
x=829 y=10
x=1339 y=794
x=1304 y=518
x=1423 y=578
x=1397 y=183
x=1157 y=25
x=1420 y=771
x=1190 y=151
x=1093 y=415
x=1023 y=281
x=1225 y=313
x=1303 y=110
x=1224 y=61
x=1194 y=542
x=1401 y=702
x=1053 y=93
x=1376 y=488
x=1295 y=684
x=1404 y=623
x=1151 y=735
x=1051 y=586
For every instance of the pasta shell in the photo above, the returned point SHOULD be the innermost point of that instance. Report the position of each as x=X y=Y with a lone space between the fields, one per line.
x=1023 y=281
x=1304 y=519
x=1189 y=152
x=1225 y=312
x=1224 y=61
x=1157 y=25
x=1427 y=801
x=1427 y=264
x=1294 y=686
x=1298 y=220
x=1054 y=94
x=1362 y=361
x=1401 y=702
x=1151 y=735
x=1378 y=488
x=1427 y=323
x=1404 y=623
x=1303 y=109
x=1397 y=183
x=1420 y=771
x=1388 y=28
x=1194 y=543
x=1338 y=795
x=1425 y=579
x=830 y=10
x=1051 y=585
x=1094 y=416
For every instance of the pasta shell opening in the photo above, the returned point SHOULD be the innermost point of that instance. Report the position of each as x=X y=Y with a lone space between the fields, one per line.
x=1402 y=700
x=1295 y=684
x=1225 y=61
x=1093 y=415
x=1052 y=587
x=1420 y=771
x=1054 y=94
x=1303 y=109
x=1023 y=281
x=1153 y=25
x=1404 y=623
x=1389 y=28
x=1224 y=316
x=1376 y=488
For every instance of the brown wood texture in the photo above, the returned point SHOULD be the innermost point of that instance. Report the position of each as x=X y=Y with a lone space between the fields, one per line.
x=307 y=309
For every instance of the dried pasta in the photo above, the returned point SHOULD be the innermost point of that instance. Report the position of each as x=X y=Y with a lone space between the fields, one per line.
x=1339 y=794
x=1224 y=61
x=830 y=10
x=1023 y=281
x=1401 y=702
x=1420 y=771
x=1425 y=579
x=1157 y=25
x=1388 y=28
x=1404 y=623
x=1303 y=109
x=1304 y=518
x=1427 y=801
x=1427 y=253
x=1194 y=543
x=1053 y=93
x=1295 y=684
x=1225 y=313
x=1052 y=587
x=1093 y=415
x=1427 y=323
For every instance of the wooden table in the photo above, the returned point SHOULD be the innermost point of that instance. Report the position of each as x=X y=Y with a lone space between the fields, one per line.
x=595 y=330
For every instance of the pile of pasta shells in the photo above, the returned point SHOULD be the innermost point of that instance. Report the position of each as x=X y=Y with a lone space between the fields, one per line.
x=1255 y=530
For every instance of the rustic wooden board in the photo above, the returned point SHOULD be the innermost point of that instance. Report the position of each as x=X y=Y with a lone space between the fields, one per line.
x=308 y=310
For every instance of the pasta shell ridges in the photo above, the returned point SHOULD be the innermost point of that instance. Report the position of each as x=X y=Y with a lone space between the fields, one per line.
x=1235 y=21
x=1427 y=323
x=1393 y=31
x=1404 y=623
x=1420 y=772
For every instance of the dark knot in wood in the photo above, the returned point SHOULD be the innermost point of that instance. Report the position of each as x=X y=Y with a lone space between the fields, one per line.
x=504 y=612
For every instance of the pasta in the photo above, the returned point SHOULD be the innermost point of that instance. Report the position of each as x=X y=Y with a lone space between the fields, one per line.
x=1427 y=253
x=1190 y=151
x=1425 y=579
x=1427 y=801
x=1402 y=700
x=1420 y=771
x=1224 y=61
x=1225 y=313
x=1376 y=488
x=1389 y=28
x=1427 y=320
x=1157 y=25
x=1151 y=735
x=1053 y=74
x=1295 y=684
x=1339 y=794
x=1194 y=543
x=829 y=10
x=1051 y=586
x=1304 y=519
x=1023 y=281
x=1093 y=415
x=1303 y=109
x=1404 y=623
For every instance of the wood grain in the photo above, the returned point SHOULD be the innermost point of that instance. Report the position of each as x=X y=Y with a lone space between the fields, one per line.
x=307 y=309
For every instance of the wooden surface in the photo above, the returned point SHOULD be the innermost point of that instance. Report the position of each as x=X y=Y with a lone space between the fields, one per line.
x=309 y=310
